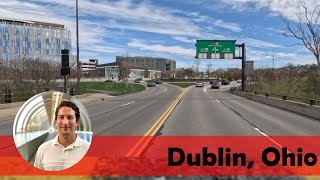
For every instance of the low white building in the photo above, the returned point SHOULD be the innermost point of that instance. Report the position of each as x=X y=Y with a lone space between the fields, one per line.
x=88 y=65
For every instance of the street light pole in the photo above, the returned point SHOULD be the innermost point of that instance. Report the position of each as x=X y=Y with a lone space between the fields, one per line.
x=78 y=63
x=273 y=61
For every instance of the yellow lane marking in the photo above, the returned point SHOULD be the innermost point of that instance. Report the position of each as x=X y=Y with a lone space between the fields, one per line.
x=144 y=141
x=147 y=134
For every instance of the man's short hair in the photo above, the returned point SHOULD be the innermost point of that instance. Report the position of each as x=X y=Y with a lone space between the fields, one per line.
x=71 y=105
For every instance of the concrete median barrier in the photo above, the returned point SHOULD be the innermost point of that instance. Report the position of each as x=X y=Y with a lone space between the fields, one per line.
x=296 y=107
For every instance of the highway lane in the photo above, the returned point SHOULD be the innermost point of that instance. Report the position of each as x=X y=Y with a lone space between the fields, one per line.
x=131 y=114
x=135 y=118
x=205 y=111
x=199 y=114
x=6 y=127
x=118 y=102
x=268 y=119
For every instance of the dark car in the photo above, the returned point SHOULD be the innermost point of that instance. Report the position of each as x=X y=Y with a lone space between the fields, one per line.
x=157 y=81
x=225 y=82
x=151 y=84
x=214 y=80
x=108 y=80
x=215 y=85
x=138 y=80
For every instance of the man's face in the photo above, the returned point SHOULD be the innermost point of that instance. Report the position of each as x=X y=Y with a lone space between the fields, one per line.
x=66 y=121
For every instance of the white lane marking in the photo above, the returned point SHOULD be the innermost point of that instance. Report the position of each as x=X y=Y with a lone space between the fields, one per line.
x=162 y=92
x=205 y=88
x=218 y=100
x=272 y=140
x=166 y=89
x=128 y=103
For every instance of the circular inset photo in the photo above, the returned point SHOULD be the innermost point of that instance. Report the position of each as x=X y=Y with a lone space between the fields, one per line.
x=52 y=131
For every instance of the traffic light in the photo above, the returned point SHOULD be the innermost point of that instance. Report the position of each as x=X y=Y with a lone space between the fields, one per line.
x=65 y=57
x=65 y=71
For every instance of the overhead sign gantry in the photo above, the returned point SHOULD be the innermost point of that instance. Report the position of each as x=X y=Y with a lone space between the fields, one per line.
x=221 y=49
x=215 y=49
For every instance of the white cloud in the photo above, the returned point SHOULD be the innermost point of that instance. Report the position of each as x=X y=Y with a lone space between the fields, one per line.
x=259 y=43
x=285 y=8
x=230 y=26
x=177 y=50
x=184 y=39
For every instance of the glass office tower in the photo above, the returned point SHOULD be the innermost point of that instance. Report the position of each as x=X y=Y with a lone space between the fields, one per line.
x=32 y=39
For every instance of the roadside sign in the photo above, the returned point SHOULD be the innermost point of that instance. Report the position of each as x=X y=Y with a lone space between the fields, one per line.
x=215 y=49
x=249 y=68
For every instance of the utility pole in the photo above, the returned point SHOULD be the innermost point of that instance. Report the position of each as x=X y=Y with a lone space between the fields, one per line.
x=272 y=61
x=78 y=63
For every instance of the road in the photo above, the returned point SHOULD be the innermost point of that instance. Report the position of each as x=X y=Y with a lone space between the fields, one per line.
x=205 y=111
x=127 y=115
x=201 y=111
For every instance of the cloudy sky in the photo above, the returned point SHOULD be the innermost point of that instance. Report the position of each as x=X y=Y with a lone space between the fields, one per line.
x=170 y=28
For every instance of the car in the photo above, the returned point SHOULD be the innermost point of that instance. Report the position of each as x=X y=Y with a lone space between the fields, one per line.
x=213 y=80
x=239 y=81
x=225 y=82
x=157 y=81
x=138 y=80
x=215 y=85
x=151 y=84
x=199 y=84
x=108 y=80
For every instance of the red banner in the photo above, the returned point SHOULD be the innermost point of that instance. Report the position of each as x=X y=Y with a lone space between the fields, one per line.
x=183 y=156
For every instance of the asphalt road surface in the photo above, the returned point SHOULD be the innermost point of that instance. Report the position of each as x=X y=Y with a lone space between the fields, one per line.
x=201 y=111
x=206 y=111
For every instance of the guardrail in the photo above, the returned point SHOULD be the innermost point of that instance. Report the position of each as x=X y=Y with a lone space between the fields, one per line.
x=17 y=95
x=314 y=102
x=303 y=106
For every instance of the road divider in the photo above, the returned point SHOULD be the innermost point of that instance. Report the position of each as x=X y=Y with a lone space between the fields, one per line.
x=311 y=111
x=143 y=142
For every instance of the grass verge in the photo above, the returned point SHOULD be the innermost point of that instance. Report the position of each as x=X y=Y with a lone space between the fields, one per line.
x=117 y=88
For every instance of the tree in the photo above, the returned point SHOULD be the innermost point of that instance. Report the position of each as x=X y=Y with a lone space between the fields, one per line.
x=306 y=29
x=197 y=64
x=235 y=73
x=209 y=65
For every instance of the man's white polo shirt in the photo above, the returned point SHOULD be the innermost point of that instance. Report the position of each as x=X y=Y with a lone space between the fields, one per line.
x=52 y=156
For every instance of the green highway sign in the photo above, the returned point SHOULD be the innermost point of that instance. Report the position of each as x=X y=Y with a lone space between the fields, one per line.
x=215 y=49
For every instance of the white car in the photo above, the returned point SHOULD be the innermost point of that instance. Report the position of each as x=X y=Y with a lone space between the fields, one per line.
x=199 y=84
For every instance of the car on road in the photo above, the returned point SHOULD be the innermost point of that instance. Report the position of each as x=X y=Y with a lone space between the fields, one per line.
x=213 y=80
x=157 y=81
x=137 y=80
x=199 y=84
x=225 y=82
x=215 y=85
x=109 y=80
x=151 y=84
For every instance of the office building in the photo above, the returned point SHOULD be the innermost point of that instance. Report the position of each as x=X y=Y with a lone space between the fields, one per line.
x=160 y=64
x=88 y=65
x=32 y=39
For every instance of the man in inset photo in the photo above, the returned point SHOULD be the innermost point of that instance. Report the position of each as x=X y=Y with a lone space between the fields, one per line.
x=67 y=148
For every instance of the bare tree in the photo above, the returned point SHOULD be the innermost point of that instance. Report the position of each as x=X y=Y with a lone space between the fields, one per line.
x=209 y=69
x=306 y=29
x=197 y=64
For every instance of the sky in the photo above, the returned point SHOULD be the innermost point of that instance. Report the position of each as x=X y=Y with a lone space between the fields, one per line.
x=169 y=28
